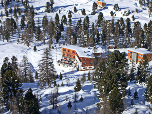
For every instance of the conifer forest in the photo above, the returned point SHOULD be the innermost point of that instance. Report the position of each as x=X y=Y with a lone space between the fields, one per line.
x=38 y=76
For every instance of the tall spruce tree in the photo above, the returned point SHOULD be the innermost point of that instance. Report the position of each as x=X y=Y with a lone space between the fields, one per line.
x=148 y=91
x=25 y=71
x=47 y=73
x=11 y=87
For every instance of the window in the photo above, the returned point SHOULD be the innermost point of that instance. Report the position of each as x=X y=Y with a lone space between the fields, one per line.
x=68 y=50
x=73 y=51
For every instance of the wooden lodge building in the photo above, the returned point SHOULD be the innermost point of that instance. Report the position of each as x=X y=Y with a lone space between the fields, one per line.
x=83 y=57
x=137 y=54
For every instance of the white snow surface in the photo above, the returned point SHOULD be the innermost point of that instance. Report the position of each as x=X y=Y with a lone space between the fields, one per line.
x=12 y=48
x=140 y=50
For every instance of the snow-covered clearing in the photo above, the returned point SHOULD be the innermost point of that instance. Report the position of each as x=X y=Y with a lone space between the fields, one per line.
x=12 y=48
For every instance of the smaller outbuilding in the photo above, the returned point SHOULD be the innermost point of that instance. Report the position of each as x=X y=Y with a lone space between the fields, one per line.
x=101 y=3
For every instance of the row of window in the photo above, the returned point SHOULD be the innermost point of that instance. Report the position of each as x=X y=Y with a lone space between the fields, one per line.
x=69 y=51
x=90 y=63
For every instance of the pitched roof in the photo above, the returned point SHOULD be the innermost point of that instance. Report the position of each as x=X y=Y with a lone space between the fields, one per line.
x=85 y=52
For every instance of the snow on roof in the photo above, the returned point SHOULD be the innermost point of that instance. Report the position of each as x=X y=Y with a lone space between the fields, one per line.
x=101 y=0
x=140 y=50
x=85 y=52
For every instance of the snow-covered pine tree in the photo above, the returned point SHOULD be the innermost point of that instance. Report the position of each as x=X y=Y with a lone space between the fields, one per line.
x=25 y=71
x=11 y=87
x=47 y=73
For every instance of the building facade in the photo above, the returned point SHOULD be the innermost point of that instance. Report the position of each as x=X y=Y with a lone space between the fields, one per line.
x=137 y=54
x=81 y=57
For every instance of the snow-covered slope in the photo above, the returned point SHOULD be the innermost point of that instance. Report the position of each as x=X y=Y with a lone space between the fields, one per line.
x=12 y=48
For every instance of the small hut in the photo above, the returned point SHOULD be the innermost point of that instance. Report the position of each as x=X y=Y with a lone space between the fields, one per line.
x=101 y=3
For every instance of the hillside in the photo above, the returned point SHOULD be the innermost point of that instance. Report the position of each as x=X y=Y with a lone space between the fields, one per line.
x=18 y=48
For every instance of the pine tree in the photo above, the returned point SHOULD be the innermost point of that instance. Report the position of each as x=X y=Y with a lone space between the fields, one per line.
x=46 y=69
x=60 y=76
x=111 y=13
x=143 y=70
x=86 y=23
x=47 y=7
x=22 y=21
x=6 y=12
x=10 y=10
x=11 y=87
x=57 y=28
x=69 y=14
x=51 y=30
x=116 y=35
x=148 y=91
x=34 y=48
x=78 y=24
x=75 y=10
x=37 y=33
x=136 y=95
x=89 y=77
x=15 y=12
x=116 y=7
x=100 y=19
x=64 y=20
x=150 y=8
x=78 y=86
x=69 y=105
x=133 y=18
x=94 y=8
x=115 y=101
x=51 y=5
x=81 y=99
x=14 y=64
x=31 y=105
x=83 y=12
x=45 y=23
x=25 y=71
x=27 y=36
x=36 y=75
x=74 y=40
